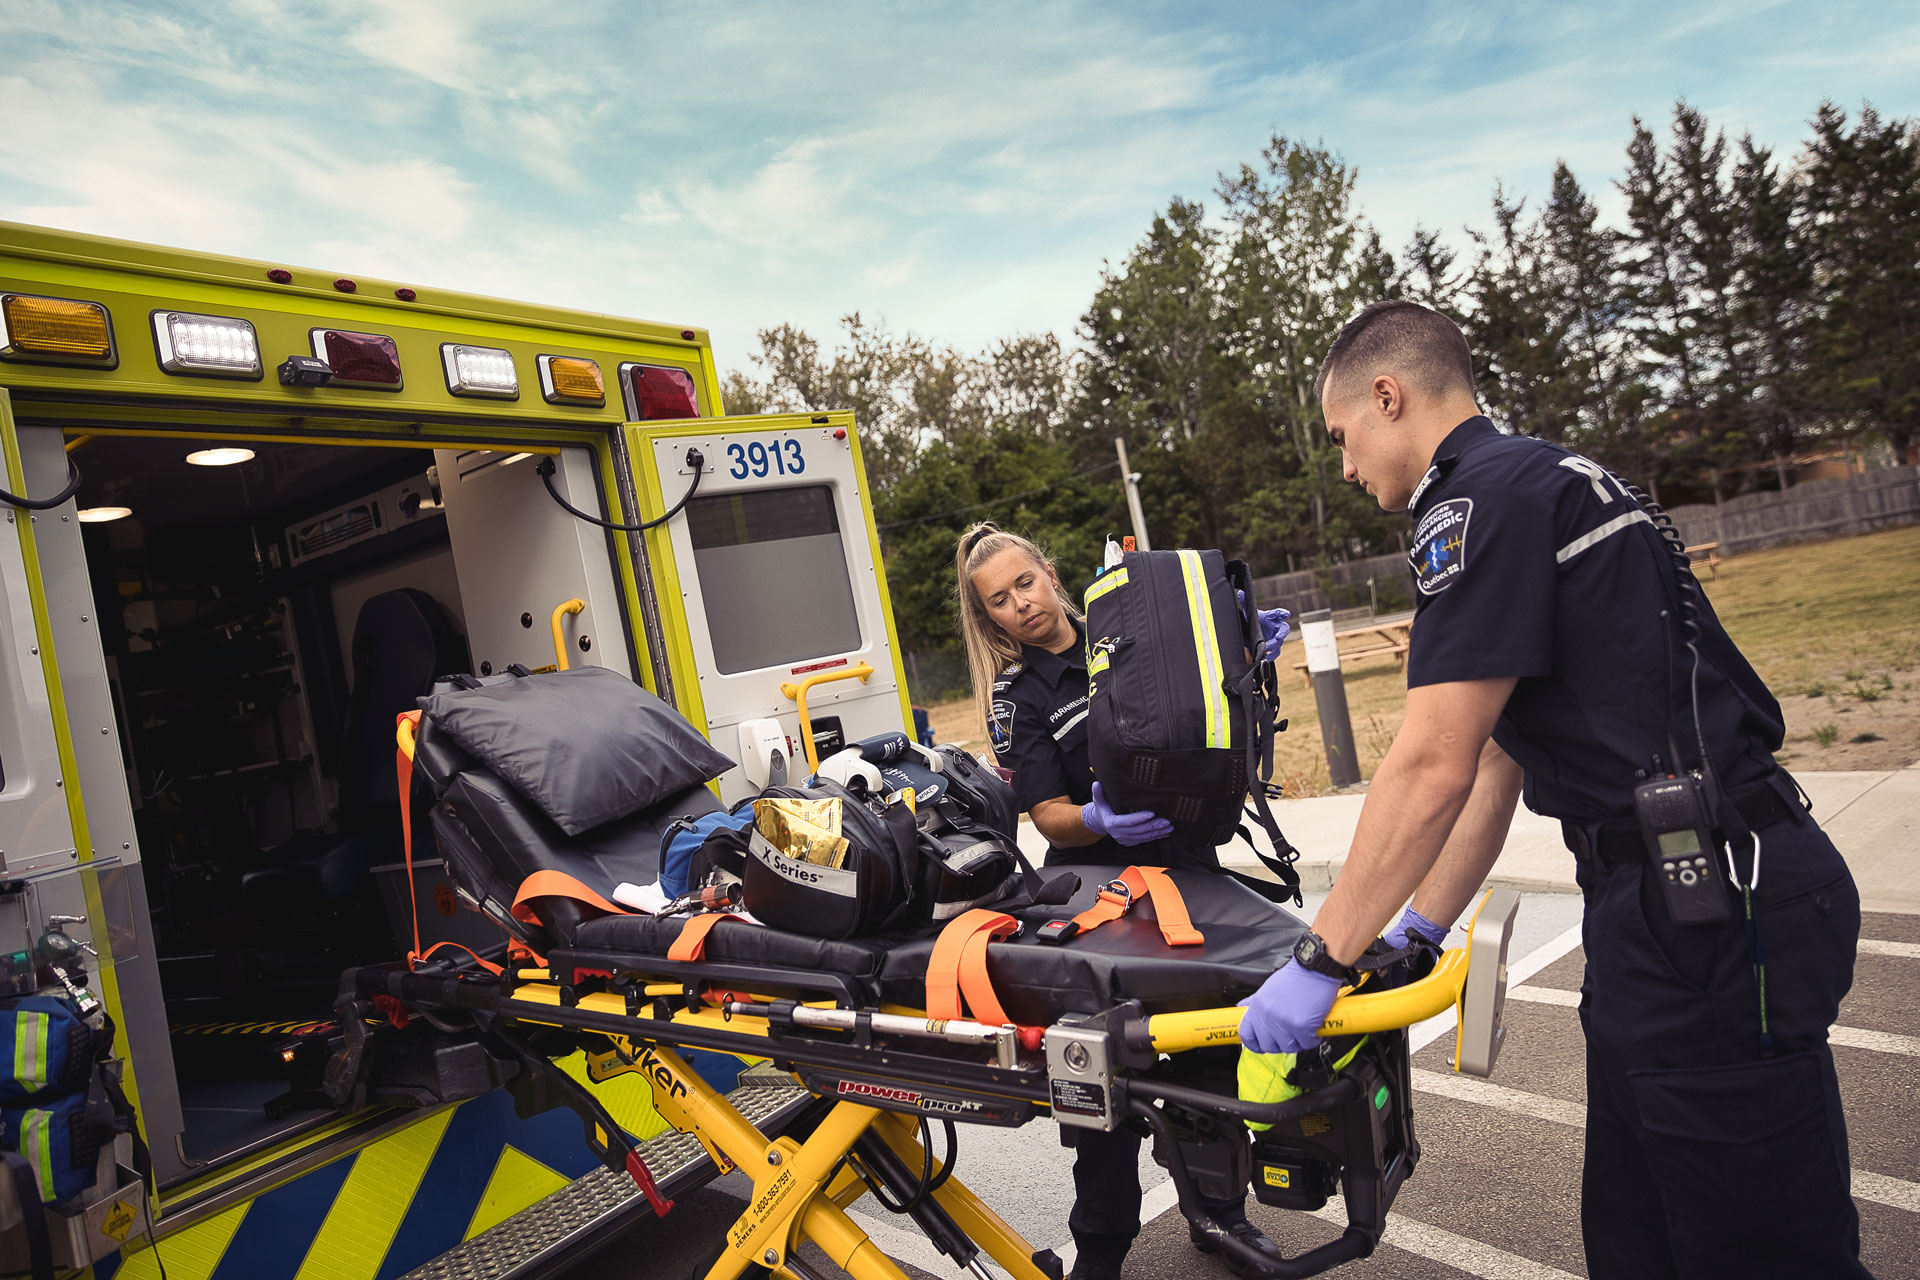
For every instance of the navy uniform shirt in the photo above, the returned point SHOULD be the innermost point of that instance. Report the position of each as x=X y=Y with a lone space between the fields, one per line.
x=1531 y=561
x=1038 y=729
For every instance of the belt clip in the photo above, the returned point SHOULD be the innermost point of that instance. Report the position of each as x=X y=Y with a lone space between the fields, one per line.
x=1117 y=889
x=1055 y=932
x=1733 y=872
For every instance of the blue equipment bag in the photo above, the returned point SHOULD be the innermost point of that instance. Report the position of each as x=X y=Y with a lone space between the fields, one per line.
x=45 y=1048
x=60 y=1140
x=683 y=840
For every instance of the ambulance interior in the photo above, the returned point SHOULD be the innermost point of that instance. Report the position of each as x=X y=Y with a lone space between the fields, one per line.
x=273 y=614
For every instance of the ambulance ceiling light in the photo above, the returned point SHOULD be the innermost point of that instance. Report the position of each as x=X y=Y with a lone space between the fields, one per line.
x=480 y=371
x=358 y=359
x=571 y=380
x=55 y=331
x=212 y=346
x=100 y=515
x=224 y=456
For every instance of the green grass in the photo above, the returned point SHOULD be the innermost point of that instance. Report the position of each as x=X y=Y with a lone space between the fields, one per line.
x=1827 y=734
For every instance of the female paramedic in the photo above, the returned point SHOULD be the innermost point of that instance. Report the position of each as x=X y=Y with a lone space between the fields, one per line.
x=1026 y=653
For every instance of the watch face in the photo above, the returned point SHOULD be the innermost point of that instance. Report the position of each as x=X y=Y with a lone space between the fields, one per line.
x=1309 y=951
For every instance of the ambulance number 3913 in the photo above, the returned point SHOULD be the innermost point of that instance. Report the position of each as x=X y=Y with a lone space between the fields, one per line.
x=781 y=457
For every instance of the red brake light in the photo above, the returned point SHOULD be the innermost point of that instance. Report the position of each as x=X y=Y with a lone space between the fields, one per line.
x=359 y=359
x=656 y=393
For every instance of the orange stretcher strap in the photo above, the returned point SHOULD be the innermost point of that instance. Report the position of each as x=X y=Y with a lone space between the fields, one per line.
x=1176 y=926
x=558 y=884
x=958 y=969
x=692 y=943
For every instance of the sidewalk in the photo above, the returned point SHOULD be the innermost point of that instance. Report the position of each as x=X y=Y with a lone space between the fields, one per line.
x=1873 y=817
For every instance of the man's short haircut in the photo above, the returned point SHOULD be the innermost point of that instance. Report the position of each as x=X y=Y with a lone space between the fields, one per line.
x=1404 y=339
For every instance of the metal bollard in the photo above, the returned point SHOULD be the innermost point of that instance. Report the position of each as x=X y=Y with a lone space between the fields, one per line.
x=1330 y=696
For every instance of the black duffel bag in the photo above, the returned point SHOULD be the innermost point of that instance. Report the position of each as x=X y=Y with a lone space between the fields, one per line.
x=873 y=890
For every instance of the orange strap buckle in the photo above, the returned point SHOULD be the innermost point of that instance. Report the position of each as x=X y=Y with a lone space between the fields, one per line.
x=1118 y=895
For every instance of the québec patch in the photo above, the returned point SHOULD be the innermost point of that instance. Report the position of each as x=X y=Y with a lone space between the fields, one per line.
x=1000 y=724
x=1439 y=554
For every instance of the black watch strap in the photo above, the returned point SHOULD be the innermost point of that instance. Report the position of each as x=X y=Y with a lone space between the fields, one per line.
x=1311 y=953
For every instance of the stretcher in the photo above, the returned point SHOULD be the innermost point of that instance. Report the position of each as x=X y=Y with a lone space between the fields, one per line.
x=989 y=1023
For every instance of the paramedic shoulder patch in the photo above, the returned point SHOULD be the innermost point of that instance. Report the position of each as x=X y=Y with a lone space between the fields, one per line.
x=1000 y=724
x=1439 y=554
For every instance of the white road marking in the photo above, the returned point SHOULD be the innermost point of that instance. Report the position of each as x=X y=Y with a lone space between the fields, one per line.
x=1904 y=950
x=1878 y=1041
x=1895 y=1193
x=1422 y=1034
x=1459 y=1252
x=1847 y=1037
x=1487 y=1094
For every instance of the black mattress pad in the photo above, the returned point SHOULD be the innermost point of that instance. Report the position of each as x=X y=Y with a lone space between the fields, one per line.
x=1247 y=938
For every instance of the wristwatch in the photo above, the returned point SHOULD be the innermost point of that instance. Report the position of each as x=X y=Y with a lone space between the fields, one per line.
x=1311 y=954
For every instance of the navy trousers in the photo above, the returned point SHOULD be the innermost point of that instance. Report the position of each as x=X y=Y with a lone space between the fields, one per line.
x=1708 y=1154
x=1106 y=1195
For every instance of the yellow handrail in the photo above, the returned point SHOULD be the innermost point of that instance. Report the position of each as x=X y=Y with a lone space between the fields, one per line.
x=560 y=645
x=403 y=734
x=1351 y=1014
x=798 y=692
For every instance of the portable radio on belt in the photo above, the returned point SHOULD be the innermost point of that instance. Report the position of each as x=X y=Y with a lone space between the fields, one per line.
x=1679 y=834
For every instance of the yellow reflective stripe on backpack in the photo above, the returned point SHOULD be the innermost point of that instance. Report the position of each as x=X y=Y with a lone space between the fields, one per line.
x=30 y=1049
x=1206 y=644
x=36 y=1144
x=1104 y=583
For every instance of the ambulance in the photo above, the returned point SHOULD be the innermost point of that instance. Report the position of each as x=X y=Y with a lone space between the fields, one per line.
x=252 y=511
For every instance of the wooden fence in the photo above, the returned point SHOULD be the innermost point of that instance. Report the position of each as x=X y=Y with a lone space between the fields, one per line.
x=1818 y=509
x=1382 y=583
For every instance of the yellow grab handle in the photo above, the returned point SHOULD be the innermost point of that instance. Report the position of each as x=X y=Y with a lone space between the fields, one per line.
x=560 y=645
x=403 y=734
x=798 y=692
x=1351 y=1014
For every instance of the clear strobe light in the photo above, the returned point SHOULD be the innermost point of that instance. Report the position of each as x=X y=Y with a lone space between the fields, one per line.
x=213 y=345
x=480 y=371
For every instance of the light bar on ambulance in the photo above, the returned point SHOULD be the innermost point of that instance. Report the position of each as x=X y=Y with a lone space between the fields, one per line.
x=571 y=380
x=369 y=360
x=654 y=392
x=211 y=346
x=55 y=331
x=480 y=371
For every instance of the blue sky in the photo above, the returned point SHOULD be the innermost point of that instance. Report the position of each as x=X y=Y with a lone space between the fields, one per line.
x=961 y=171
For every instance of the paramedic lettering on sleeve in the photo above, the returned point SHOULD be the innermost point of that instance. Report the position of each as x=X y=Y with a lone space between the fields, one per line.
x=1026 y=653
x=1548 y=604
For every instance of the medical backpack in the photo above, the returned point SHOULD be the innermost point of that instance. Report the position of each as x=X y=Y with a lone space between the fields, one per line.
x=1180 y=720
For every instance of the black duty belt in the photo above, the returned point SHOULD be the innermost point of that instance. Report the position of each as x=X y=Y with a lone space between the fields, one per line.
x=1759 y=806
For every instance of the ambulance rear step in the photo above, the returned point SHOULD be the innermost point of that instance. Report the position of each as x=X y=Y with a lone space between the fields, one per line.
x=554 y=1234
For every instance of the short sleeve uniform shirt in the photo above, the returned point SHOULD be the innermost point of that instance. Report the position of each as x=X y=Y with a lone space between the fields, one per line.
x=1533 y=562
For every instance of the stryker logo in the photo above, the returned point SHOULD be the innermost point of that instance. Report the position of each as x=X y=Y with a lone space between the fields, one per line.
x=1223 y=1033
x=661 y=1075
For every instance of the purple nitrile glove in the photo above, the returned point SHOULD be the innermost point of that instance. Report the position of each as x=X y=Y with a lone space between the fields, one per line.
x=1274 y=628
x=1125 y=828
x=1285 y=1014
x=1414 y=927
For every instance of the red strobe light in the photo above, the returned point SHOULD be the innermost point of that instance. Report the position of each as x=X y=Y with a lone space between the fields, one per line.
x=654 y=393
x=359 y=359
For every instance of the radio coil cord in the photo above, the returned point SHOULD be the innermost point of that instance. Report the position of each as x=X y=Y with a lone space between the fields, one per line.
x=1687 y=597
x=695 y=459
x=47 y=504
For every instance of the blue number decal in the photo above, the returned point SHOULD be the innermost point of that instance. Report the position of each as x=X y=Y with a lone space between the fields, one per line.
x=795 y=464
x=779 y=460
x=739 y=456
x=757 y=456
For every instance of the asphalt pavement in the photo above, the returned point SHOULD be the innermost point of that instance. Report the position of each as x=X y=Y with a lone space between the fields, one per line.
x=1496 y=1194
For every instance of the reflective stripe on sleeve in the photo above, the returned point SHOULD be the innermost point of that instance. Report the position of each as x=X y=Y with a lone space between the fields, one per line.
x=1604 y=532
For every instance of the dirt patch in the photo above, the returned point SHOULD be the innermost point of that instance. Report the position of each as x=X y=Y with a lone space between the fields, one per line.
x=1872 y=722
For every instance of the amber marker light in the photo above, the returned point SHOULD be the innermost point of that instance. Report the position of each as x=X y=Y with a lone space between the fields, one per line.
x=571 y=380
x=57 y=329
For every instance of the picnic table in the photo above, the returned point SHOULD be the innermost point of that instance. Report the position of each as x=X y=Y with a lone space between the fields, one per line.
x=1705 y=554
x=1386 y=635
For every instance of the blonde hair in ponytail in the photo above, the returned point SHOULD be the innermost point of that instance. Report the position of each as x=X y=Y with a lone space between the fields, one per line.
x=989 y=649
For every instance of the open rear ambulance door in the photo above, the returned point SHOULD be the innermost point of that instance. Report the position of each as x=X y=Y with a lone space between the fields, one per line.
x=771 y=591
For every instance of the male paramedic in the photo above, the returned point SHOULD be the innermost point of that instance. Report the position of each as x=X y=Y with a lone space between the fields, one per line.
x=1553 y=652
